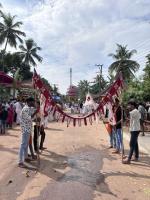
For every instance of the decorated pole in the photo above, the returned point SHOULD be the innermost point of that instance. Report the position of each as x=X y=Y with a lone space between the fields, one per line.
x=37 y=153
x=122 y=118
x=122 y=123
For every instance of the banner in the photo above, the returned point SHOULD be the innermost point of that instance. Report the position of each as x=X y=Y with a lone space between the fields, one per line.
x=51 y=106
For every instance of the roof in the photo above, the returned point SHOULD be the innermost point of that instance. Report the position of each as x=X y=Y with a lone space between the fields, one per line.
x=72 y=91
x=27 y=84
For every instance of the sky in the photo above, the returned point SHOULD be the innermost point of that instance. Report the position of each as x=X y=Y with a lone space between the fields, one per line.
x=81 y=33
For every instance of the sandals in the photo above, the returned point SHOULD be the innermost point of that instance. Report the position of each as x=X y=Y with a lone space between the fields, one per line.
x=126 y=162
x=21 y=165
x=116 y=152
x=27 y=160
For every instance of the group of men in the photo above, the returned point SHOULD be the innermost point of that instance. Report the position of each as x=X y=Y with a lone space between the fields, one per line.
x=115 y=129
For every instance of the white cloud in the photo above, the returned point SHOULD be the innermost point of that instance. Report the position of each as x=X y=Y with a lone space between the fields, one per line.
x=81 y=33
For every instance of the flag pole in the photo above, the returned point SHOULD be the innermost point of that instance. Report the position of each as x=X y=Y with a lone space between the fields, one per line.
x=122 y=117
x=37 y=153
x=122 y=123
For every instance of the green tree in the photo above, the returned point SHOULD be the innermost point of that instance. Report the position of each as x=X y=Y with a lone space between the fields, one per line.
x=17 y=78
x=9 y=31
x=146 y=79
x=47 y=84
x=55 y=90
x=99 y=85
x=5 y=58
x=139 y=89
x=133 y=91
x=24 y=70
x=13 y=61
x=83 y=88
x=4 y=94
x=29 y=53
x=1 y=12
x=110 y=77
x=123 y=62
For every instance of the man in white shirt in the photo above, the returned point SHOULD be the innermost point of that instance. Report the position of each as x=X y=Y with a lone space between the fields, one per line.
x=135 y=117
x=26 y=128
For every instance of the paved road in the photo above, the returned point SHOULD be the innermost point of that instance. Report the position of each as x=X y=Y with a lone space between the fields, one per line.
x=76 y=166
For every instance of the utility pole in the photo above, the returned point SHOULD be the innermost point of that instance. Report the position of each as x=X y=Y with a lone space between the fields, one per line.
x=70 y=82
x=100 y=76
x=70 y=76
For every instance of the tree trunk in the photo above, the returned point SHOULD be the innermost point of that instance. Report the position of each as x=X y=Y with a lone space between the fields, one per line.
x=6 y=44
x=14 y=85
x=4 y=53
x=14 y=91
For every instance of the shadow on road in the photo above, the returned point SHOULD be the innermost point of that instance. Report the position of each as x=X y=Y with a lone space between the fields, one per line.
x=54 y=129
x=10 y=150
x=84 y=171
x=75 y=176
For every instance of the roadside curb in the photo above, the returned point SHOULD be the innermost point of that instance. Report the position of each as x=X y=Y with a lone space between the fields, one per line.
x=142 y=149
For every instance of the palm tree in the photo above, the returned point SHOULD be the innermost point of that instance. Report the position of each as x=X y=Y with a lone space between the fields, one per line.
x=99 y=84
x=1 y=10
x=9 y=32
x=123 y=62
x=110 y=77
x=29 y=52
x=146 y=79
x=16 y=77
x=83 y=88
x=47 y=84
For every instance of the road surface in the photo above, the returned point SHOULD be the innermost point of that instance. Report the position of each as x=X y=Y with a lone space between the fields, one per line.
x=77 y=165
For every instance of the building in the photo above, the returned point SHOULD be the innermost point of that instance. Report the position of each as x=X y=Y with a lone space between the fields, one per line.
x=72 y=91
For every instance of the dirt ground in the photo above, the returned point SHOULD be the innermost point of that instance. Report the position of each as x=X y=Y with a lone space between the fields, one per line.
x=77 y=165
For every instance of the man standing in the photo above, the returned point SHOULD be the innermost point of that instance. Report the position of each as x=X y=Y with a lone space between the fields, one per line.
x=26 y=127
x=118 y=126
x=134 y=130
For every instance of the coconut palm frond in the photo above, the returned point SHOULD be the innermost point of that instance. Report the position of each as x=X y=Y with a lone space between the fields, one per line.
x=29 y=52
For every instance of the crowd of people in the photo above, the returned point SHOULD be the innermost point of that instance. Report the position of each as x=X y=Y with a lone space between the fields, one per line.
x=9 y=114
